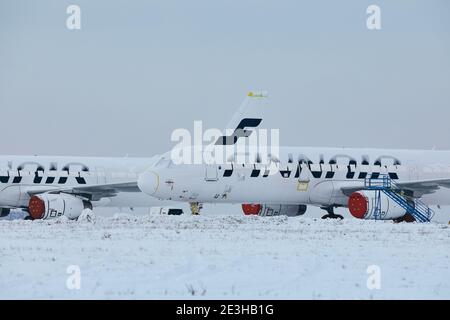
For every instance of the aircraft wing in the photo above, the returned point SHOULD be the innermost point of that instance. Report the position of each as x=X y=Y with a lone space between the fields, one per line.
x=91 y=192
x=416 y=187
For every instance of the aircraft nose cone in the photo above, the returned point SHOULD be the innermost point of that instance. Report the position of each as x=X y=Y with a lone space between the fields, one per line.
x=148 y=182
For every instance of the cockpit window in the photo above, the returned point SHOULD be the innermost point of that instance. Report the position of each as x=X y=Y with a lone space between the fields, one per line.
x=164 y=163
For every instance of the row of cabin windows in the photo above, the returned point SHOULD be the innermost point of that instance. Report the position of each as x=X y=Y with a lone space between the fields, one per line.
x=316 y=174
x=37 y=179
x=334 y=160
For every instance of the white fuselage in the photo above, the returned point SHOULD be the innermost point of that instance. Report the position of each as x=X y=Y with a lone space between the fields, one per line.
x=19 y=174
x=303 y=175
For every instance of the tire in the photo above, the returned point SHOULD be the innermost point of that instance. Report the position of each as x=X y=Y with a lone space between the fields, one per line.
x=4 y=212
x=175 y=212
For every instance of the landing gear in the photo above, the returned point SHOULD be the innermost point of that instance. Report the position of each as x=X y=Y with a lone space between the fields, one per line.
x=406 y=218
x=331 y=214
x=174 y=212
x=195 y=208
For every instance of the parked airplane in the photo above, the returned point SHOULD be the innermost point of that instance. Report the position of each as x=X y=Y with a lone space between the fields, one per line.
x=371 y=183
x=48 y=187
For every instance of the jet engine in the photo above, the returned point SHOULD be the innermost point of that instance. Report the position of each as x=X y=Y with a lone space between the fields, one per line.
x=274 y=209
x=362 y=204
x=49 y=206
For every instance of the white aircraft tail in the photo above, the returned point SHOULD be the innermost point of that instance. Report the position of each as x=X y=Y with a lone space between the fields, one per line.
x=249 y=115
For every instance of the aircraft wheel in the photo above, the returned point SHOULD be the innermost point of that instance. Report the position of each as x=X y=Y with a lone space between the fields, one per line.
x=4 y=212
x=332 y=216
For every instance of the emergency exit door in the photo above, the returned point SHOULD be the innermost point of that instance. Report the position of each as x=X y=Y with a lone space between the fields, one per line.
x=101 y=175
x=211 y=172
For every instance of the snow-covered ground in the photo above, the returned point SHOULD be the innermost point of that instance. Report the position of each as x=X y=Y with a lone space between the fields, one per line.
x=223 y=256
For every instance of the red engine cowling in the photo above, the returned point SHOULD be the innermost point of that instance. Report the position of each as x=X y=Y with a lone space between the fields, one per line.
x=274 y=209
x=49 y=206
x=362 y=204
x=251 y=209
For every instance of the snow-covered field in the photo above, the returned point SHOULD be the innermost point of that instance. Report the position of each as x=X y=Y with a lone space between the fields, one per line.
x=223 y=256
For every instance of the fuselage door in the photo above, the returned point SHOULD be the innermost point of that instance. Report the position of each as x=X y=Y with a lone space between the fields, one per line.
x=101 y=175
x=413 y=173
x=211 y=172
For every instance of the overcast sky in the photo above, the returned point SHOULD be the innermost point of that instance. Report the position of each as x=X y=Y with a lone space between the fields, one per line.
x=139 y=69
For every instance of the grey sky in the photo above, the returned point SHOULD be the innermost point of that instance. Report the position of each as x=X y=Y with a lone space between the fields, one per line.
x=139 y=69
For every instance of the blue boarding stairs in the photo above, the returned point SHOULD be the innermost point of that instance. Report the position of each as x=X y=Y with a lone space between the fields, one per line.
x=419 y=210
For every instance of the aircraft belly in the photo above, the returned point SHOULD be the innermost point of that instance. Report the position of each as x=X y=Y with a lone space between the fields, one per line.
x=11 y=196
x=128 y=199
x=255 y=192
x=322 y=193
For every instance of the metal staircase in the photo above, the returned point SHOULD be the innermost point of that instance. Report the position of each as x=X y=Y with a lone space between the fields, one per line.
x=419 y=210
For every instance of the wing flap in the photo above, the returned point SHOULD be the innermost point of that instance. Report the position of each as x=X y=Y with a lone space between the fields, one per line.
x=416 y=187
x=92 y=192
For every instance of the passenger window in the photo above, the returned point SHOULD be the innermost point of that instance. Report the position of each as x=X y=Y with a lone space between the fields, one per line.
x=4 y=176
x=393 y=175
x=228 y=171
x=81 y=180
x=362 y=175
x=316 y=170
x=375 y=175
x=17 y=179
x=363 y=170
x=62 y=180
x=255 y=172
x=329 y=171
x=350 y=171
x=50 y=180
x=38 y=176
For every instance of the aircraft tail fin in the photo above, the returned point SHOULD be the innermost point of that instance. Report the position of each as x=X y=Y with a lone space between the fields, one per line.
x=249 y=115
